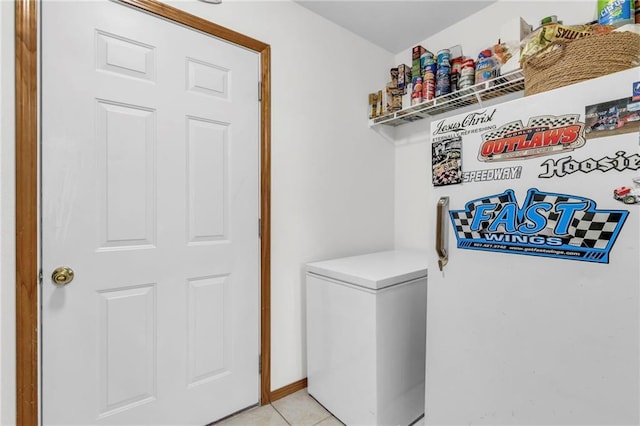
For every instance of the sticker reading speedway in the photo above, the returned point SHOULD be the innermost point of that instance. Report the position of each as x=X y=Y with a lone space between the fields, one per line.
x=548 y=224
x=492 y=174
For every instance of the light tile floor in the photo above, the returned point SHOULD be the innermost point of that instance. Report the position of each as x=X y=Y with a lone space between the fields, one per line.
x=297 y=409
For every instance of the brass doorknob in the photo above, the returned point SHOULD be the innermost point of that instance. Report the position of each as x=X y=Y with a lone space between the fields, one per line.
x=62 y=275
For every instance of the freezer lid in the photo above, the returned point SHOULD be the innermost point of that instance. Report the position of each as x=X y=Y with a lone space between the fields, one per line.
x=374 y=270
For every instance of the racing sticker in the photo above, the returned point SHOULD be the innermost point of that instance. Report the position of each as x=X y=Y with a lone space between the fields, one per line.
x=568 y=165
x=503 y=173
x=446 y=160
x=612 y=118
x=627 y=194
x=548 y=224
x=543 y=135
x=474 y=122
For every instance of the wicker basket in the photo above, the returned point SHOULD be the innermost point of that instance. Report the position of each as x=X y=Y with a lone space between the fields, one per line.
x=582 y=59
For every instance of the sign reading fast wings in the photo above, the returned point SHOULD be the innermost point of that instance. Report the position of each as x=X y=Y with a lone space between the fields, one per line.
x=547 y=224
x=543 y=135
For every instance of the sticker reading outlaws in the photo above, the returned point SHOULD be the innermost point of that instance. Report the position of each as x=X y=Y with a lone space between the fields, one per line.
x=548 y=225
x=492 y=174
x=543 y=135
x=567 y=165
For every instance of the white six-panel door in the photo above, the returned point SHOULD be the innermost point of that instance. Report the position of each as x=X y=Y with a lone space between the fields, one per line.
x=150 y=194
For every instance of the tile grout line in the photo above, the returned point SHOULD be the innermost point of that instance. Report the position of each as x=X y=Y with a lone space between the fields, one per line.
x=328 y=417
x=281 y=415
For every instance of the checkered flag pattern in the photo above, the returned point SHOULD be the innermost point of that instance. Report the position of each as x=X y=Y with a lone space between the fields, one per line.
x=503 y=130
x=551 y=216
x=587 y=229
x=462 y=218
x=553 y=121
x=594 y=230
x=447 y=177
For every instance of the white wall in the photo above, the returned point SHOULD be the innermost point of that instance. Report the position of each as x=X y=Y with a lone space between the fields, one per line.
x=332 y=177
x=503 y=330
x=7 y=220
x=413 y=176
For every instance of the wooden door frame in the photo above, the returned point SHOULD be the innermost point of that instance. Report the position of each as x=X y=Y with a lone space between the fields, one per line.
x=27 y=216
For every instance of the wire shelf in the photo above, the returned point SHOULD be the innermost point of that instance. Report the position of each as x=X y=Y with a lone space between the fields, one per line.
x=509 y=83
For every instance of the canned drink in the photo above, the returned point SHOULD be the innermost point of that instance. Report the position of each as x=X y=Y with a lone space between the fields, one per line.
x=456 y=64
x=453 y=80
x=444 y=58
x=443 y=82
x=416 y=93
x=432 y=67
x=616 y=12
x=426 y=54
x=465 y=82
x=427 y=63
x=467 y=74
x=429 y=86
x=426 y=59
x=466 y=64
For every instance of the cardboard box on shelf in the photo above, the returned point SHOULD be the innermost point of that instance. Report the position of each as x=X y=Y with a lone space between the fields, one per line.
x=373 y=105
x=393 y=72
x=404 y=78
x=416 y=53
x=393 y=98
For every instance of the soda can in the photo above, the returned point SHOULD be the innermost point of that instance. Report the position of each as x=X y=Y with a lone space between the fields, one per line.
x=456 y=64
x=425 y=58
x=428 y=86
x=467 y=74
x=427 y=62
x=416 y=93
x=444 y=58
x=443 y=82
x=453 y=79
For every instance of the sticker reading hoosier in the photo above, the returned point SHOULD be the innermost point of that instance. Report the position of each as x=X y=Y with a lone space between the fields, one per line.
x=547 y=224
x=504 y=173
x=568 y=165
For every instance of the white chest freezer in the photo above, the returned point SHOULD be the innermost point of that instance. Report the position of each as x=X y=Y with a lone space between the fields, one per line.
x=366 y=330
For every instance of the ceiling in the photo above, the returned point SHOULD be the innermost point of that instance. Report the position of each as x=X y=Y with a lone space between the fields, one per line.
x=394 y=25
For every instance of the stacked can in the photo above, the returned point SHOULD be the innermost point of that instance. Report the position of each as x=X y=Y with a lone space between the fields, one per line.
x=416 y=93
x=429 y=86
x=467 y=74
x=444 y=58
x=454 y=80
x=427 y=63
x=428 y=70
x=443 y=75
x=456 y=64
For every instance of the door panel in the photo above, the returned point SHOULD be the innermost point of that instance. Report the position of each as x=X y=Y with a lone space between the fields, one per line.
x=150 y=192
